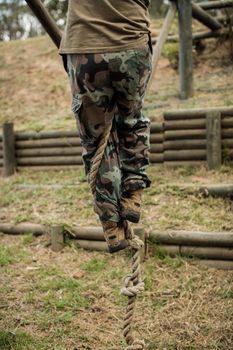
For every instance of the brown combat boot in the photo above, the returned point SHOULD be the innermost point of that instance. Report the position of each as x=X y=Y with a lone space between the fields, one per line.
x=131 y=205
x=114 y=235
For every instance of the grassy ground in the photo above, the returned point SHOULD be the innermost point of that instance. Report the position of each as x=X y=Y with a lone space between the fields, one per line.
x=185 y=306
x=43 y=307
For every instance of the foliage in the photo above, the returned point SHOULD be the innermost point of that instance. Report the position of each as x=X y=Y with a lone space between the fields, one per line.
x=18 y=22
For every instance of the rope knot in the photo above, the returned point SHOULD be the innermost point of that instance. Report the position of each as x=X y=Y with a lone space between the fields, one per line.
x=136 y=243
x=130 y=290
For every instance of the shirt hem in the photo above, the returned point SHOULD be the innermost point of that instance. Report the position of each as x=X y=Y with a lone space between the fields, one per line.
x=103 y=49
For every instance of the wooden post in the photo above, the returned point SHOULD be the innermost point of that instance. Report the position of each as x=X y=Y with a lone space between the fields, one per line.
x=162 y=39
x=46 y=20
x=57 y=238
x=213 y=140
x=9 y=160
x=185 y=51
x=205 y=18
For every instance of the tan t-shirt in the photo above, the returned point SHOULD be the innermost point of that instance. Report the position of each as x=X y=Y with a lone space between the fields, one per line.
x=105 y=26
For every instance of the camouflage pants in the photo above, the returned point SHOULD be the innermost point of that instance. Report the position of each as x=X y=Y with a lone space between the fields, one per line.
x=107 y=88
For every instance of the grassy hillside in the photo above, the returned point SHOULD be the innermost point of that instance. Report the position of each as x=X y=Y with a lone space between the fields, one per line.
x=34 y=89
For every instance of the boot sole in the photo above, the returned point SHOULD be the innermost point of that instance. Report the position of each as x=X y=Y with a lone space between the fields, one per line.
x=122 y=245
x=130 y=216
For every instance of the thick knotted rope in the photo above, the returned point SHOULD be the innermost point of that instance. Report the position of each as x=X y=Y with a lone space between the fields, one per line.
x=132 y=286
x=132 y=283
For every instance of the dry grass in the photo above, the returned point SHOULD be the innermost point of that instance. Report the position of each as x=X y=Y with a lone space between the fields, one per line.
x=185 y=306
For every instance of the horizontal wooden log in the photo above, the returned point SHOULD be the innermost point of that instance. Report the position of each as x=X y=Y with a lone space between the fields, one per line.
x=48 y=167
x=184 y=163
x=213 y=5
x=156 y=127
x=157 y=148
x=217 y=264
x=23 y=136
x=91 y=245
x=227 y=143
x=156 y=138
x=194 y=154
x=198 y=36
x=93 y=233
x=185 y=124
x=51 y=151
x=157 y=158
x=205 y=18
x=227 y=132
x=196 y=113
x=227 y=122
x=46 y=135
x=193 y=144
x=68 y=142
x=23 y=228
x=194 y=238
x=221 y=253
x=218 y=190
x=184 y=134
x=188 y=124
x=66 y=160
x=71 y=141
x=184 y=144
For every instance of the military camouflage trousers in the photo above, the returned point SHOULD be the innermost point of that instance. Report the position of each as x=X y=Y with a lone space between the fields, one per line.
x=110 y=87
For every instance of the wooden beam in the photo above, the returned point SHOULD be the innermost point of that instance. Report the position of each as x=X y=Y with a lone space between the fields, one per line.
x=219 y=253
x=205 y=18
x=190 y=154
x=196 y=113
x=212 y=5
x=194 y=238
x=46 y=20
x=23 y=228
x=59 y=160
x=185 y=49
x=162 y=39
x=199 y=36
x=218 y=190
x=217 y=264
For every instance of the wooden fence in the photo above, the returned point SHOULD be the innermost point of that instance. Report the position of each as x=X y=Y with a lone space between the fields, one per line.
x=184 y=137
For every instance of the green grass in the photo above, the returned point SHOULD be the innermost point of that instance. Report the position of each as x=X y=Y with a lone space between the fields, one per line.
x=95 y=264
x=18 y=340
x=5 y=256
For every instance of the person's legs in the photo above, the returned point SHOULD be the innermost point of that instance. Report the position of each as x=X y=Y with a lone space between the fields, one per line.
x=133 y=127
x=93 y=105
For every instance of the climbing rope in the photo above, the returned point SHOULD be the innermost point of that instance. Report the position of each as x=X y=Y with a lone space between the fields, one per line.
x=132 y=283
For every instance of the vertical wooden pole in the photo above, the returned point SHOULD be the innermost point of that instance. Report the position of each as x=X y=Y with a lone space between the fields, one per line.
x=57 y=238
x=185 y=50
x=141 y=234
x=213 y=140
x=162 y=39
x=9 y=159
